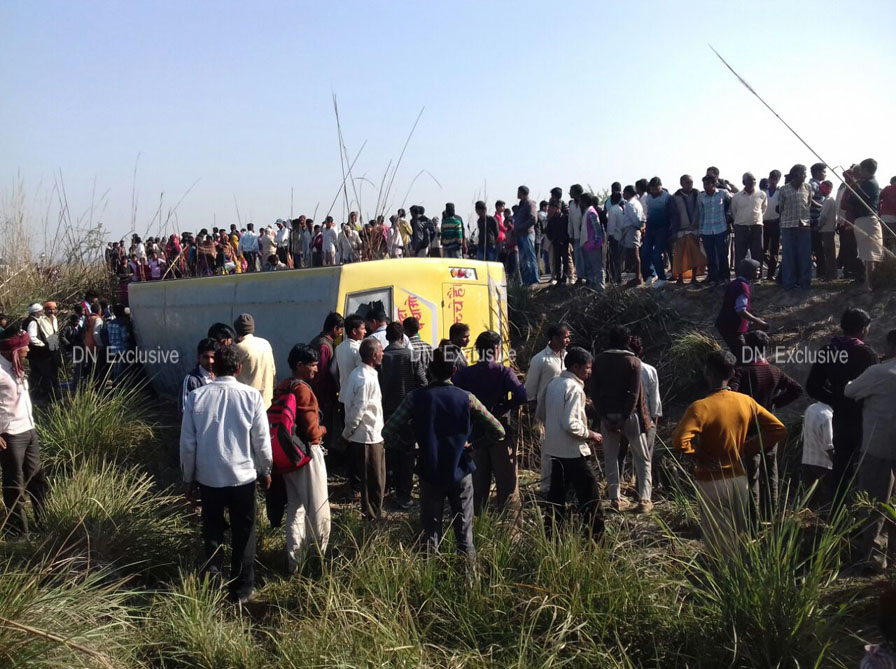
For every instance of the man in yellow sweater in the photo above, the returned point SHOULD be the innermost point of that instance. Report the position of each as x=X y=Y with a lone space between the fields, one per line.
x=718 y=431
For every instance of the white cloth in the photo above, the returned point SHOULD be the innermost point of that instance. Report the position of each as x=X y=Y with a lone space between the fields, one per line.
x=651 y=382
x=307 y=509
x=266 y=244
x=363 y=406
x=225 y=438
x=724 y=517
x=328 y=237
x=771 y=210
x=544 y=367
x=248 y=242
x=575 y=220
x=827 y=219
x=259 y=370
x=380 y=335
x=282 y=237
x=34 y=335
x=615 y=221
x=749 y=208
x=16 y=415
x=818 y=435
x=566 y=427
x=875 y=388
x=348 y=356
x=642 y=457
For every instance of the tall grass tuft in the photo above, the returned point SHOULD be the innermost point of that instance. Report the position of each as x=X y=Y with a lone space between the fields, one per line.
x=193 y=626
x=114 y=517
x=768 y=595
x=682 y=365
x=54 y=615
x=109 y=422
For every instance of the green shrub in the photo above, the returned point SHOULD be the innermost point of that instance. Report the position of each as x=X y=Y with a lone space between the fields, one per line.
x=57 y=615
x=194 y=626
x=111 y=423
x=111 y=516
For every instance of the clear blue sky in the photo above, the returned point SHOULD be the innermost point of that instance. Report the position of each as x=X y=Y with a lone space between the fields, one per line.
x=238 y=96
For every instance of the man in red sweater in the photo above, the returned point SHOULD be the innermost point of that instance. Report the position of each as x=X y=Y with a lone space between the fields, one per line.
x=307 y=501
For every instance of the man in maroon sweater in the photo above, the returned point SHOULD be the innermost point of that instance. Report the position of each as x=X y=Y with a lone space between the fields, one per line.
x=735 y=316
x=771 y=388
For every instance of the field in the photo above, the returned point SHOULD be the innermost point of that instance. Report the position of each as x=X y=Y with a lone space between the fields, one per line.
x=110 y=578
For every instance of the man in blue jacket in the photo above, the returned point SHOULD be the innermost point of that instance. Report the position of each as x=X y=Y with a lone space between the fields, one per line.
x=441 y=417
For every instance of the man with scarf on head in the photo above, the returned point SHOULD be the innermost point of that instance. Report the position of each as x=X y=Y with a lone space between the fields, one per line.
x=44 y=358
x=19 y=448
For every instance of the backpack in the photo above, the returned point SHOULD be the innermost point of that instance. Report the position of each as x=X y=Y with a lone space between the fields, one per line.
x=288 y=450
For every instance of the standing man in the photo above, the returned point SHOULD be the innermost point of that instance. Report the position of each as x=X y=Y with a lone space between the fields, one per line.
x=420 y=349
x=818 y=172
x=545 y=366
x=618 y=395
x=400 y=373
x=841 y=361
x=249 y=247
x=712 y=208
x=772 y=389
x=720 y=431
x=225 y=447
x=659 y=215
x=487 y=226
x=632 y=227
x=687 y=253
x=524 y=232
x=827 y=229
x=735 y=315
x=307 y=500
x=297 y=241
x=281 y=239
x=347 y=357
x=442 y=418
x=650 y=382
x=500 y=391
x=257 y=367
x=796 y=237
x=23 y=474
x=43 y=353
x=868 y=231
x=364 y=427
x=771 y=222
x=459 y=335
x=568 y=443
x=323 y=381
x=453 y=238
x=593 y=239
x=875 y=390
x=748 y=209
x=574 y=216
x=203 y=373
x=328 y=242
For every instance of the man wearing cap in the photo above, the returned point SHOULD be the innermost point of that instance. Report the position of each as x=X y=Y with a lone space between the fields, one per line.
x=748 y=209
x=256 y=358
x=43 y=353
x=734 y=318
x=281 y=238
x=19 y=447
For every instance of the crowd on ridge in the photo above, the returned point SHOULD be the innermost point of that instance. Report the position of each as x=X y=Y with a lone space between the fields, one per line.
x=657 y=235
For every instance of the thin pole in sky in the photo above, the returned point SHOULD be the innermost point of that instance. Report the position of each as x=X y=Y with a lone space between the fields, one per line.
x=806 y=144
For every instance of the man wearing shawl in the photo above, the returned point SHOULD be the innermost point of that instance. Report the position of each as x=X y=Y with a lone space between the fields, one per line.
x=19 y=448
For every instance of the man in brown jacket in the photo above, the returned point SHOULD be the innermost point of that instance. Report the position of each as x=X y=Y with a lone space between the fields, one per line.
x=618 y=397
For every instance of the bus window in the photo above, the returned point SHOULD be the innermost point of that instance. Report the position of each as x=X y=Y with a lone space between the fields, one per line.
x=361 y=299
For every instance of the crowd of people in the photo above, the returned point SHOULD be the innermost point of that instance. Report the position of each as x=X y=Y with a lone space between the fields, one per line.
x=792 y=229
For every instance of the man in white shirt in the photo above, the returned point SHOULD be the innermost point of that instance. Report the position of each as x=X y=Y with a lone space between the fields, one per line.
x=376 y=327
x=633 y=223
x=257 y=368
x=364 y=427
x=567 y=439
x=328 y=238
x=650 y=380
x=44 y=357
x=281 y=239
x=748 y=208
x=575 y=230
x=23 y=474
x=225 y=446
x=544 y=367
x=249 y=247
x=346 y=357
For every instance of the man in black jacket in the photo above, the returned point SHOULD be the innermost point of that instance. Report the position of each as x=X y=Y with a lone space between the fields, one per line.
x=838 y=363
